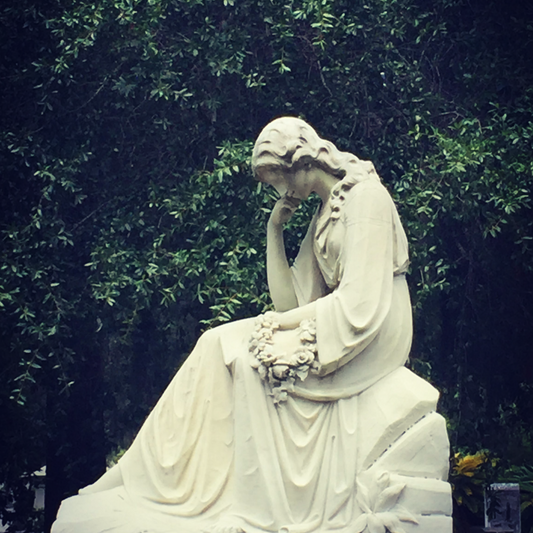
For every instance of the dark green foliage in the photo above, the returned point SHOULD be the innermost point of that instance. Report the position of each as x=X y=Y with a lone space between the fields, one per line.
x=130 y=220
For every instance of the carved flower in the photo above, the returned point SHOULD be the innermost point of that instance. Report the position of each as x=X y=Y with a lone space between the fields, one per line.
x=262 y=370
x=379 y=503
x=265 y=334
x=264 y=352
x=303 y=357
x=280 y=392
x=279 y=395
x=269 y=320
x=307 y=336
x=308 y=331
x=302 y=372
x=280 y=371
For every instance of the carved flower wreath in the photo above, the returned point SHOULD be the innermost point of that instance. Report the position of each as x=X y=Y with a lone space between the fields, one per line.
x=279 y=373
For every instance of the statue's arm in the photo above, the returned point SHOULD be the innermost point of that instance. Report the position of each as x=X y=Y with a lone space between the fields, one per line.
x=278 y=271
x=291 y=319
x=292 y=288
x=351 y=317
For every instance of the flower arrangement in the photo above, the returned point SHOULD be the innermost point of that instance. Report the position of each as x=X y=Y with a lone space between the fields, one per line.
x=280 y=372
x=469 y=474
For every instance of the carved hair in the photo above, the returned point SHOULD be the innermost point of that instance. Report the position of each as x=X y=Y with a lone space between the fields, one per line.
x=290 y=143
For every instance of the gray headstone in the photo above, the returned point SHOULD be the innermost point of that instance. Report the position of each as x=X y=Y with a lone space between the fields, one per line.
x=502 y=507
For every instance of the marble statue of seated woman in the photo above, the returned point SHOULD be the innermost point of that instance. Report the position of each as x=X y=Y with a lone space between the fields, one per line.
x=304 y=419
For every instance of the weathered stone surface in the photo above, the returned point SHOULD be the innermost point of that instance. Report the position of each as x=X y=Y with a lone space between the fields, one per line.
x=390 y=408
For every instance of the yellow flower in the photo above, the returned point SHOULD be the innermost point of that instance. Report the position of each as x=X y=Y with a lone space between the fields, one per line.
x=467 y=465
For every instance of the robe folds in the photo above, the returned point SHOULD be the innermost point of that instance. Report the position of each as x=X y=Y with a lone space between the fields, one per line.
x=357 y=447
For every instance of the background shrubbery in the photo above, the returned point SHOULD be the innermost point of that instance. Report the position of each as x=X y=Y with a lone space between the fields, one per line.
x=130 y=221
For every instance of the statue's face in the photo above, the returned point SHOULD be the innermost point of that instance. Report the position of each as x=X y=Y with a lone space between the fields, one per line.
x=295 y=184
x=275 y=177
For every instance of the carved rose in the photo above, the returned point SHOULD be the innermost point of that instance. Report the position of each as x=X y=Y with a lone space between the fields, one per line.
x=307 y=336
x=303 y=357
x=280 y=371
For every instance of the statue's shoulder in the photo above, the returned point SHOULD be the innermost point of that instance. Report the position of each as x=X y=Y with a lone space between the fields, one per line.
x=365 y=199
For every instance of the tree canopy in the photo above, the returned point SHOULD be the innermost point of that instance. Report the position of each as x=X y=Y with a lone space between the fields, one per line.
x=129 y=218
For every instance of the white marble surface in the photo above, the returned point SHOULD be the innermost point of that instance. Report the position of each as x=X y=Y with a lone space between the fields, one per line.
x=306 y=420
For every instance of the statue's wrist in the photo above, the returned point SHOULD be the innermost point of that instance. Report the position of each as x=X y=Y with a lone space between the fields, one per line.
x=274 y=226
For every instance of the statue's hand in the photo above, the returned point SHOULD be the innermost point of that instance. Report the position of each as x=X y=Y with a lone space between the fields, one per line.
x=283 y=210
